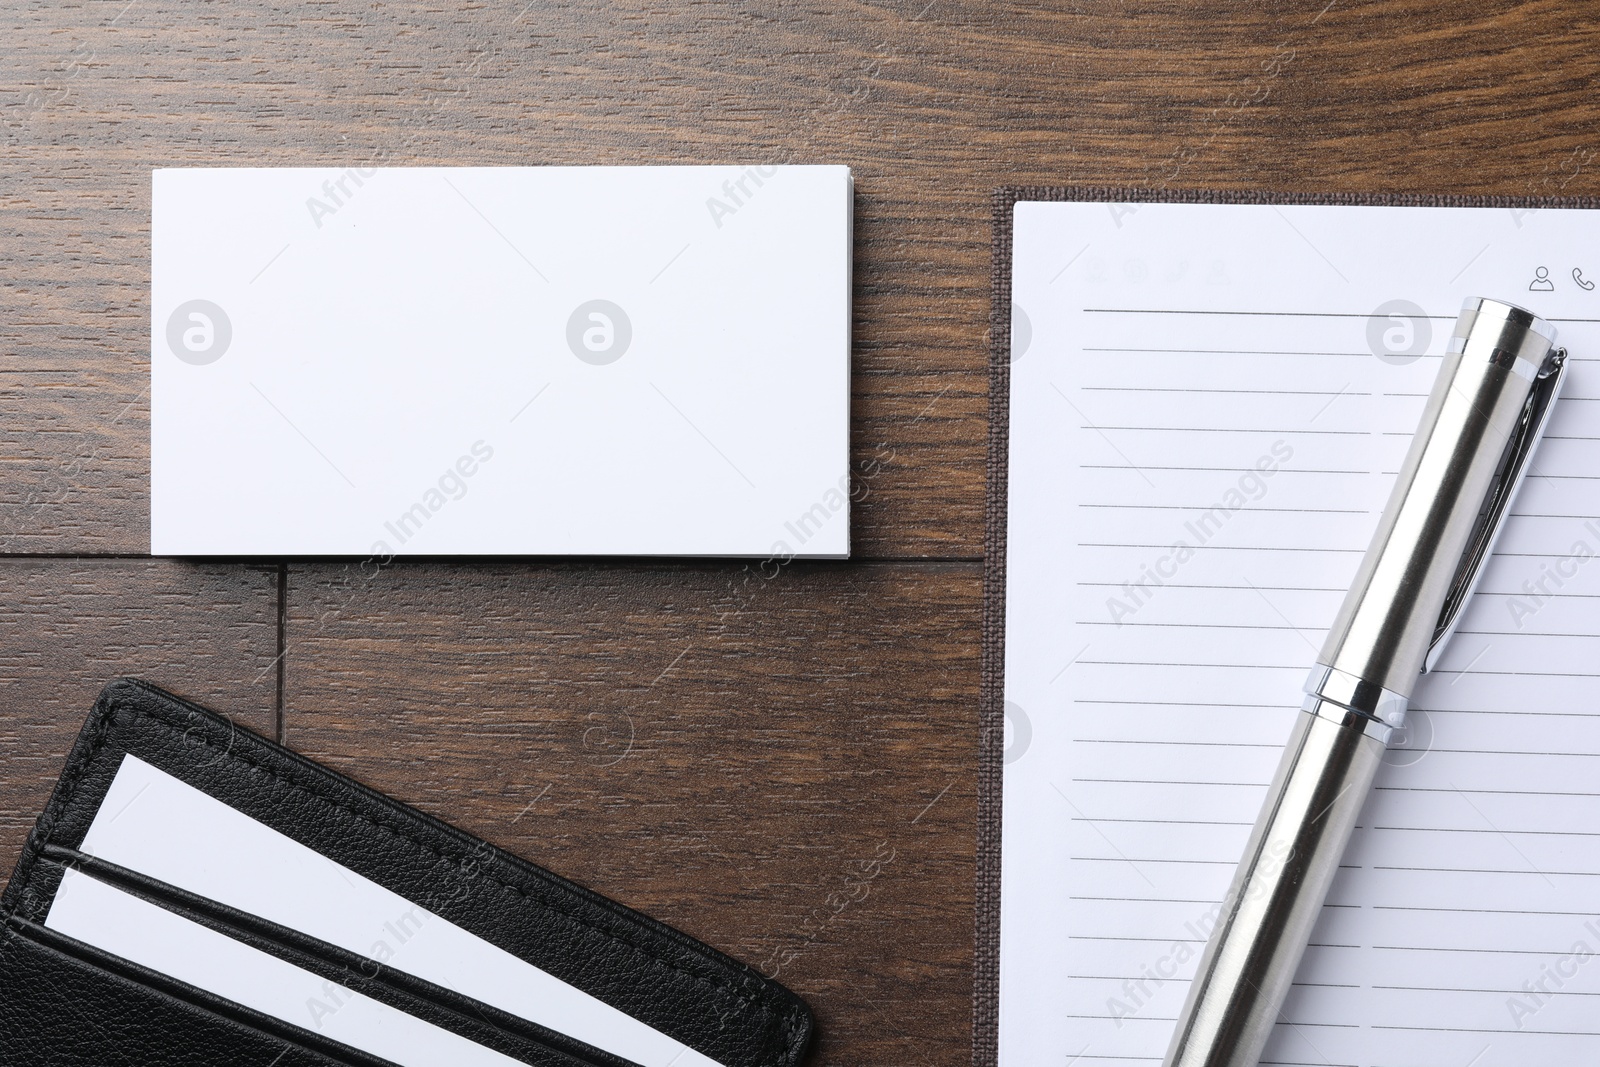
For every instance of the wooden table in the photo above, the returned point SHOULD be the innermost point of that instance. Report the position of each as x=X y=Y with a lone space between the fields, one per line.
x=728 y=751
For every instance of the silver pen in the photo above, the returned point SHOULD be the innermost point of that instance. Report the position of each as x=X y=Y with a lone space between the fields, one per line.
x=1488 y=408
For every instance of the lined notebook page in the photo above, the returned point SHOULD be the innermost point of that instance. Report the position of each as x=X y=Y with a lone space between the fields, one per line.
x=1209 y=404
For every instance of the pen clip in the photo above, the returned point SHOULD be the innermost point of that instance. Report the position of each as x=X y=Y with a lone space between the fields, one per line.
x=1480 y=546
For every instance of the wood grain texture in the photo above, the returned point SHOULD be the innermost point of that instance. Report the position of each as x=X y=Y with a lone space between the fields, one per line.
x=67 y=627
x=933 y=103
x=780 y=766
x=796 y=741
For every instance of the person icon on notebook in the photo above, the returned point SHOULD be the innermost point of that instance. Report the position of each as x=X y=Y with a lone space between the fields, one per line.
x=1541 y=281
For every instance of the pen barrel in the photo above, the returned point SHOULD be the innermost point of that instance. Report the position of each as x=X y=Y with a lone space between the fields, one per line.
x=1489 y=404
x=1453 y=474
x=1265 y=920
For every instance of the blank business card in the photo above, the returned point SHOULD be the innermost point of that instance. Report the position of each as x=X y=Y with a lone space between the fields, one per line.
x=149 y=935
x=501 y=361
x=159 y=826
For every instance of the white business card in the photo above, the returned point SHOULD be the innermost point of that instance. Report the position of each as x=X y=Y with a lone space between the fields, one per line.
x=501 y=361
x=160 y=826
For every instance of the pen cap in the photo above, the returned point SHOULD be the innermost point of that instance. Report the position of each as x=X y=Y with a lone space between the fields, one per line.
x=1487 y=408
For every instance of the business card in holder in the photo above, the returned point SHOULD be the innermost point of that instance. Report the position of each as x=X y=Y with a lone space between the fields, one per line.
x=195 y=894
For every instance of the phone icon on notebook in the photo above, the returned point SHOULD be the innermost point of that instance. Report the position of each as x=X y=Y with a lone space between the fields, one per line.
x=1577 y=276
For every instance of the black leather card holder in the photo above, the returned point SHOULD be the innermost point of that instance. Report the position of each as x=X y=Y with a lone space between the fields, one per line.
x=66 y=1002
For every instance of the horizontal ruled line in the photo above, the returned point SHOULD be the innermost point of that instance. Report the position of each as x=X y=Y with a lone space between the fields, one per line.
x=1143 y=900
x=1509 y=752
x=1520 y=713
x=1155 y=859
x=1487 y=792
x=1293 y=353
x=1482 y=911
x=1222 y=470
x=1179 y=744
x=1223 y=666
x=1526 y=633
x=1208 y=507
x=1188 y=389
x=1483 y=1030
x=1120 y=623
x=1172 y=781
x=1132 y=821
x=1487 y=830
x=1487 y=870
x=1242 y=588
x=1229 y=548
x=1473 y=951
x=1281 y=314
x=1154 y=940
x=1187 y=704
x=1496 y=992
x=1230 y=429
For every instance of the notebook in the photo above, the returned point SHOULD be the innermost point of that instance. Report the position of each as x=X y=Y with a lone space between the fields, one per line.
x=1201 y=408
